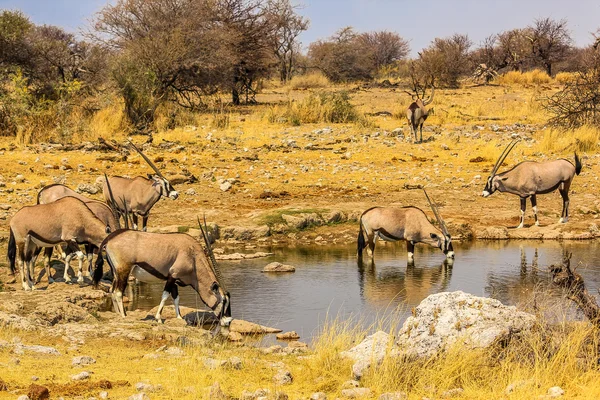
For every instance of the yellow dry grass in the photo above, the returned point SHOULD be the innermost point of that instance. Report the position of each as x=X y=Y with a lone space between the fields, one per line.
x=534 y=77
x=313 y=80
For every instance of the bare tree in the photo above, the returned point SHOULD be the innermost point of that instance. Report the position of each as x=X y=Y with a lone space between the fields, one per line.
x=384 y=47
x=550 y=41
x=287 y=27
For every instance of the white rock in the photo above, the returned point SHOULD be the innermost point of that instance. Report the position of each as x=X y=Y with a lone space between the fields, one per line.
x=82 y=376
x=318 y=396
x=147 y=387
x=139 y=396
x=371 y=350
x=278 y=267
x=20 y=349
x=23 y=397
x=83 y=360
x=555 y=391
x=356 y=393
x=103 y=395
x=443 y=319
x=225 y=186
x=393 y=396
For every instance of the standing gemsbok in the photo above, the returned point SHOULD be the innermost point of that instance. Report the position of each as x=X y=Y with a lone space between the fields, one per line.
x=67 y=220
x=174 y=258
x=530 y=178
x=406 y=223
x=138 y=195
x=101 y=210
x=417 y=114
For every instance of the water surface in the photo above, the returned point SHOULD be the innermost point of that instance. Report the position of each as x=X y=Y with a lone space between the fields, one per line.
x=329 y=280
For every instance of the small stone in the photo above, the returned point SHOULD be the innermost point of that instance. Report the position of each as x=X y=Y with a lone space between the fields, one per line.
x=234 y=362
x=103 y=395
x=234 y=337
x=215 y=392
x=190 y=192
x=20 y=178
x=82 y=376
x=445 y=146
x=318 y=396
x=225 y=186
x=278 y=267
x=288 y=336
x=147 y=387
x=139 y=396
x=356 y=393
x=283 y=377
x=23 y=397
x=38 y=392
x=556 y=391
x=83 y=360
x=350 y=384
x=35 y=378
x=5 y=207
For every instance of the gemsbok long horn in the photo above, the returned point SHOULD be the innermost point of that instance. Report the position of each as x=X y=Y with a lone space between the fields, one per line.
x=503 y=156
x=150 y=163
x=210 y=253
x=113 y=204
x=437 y=215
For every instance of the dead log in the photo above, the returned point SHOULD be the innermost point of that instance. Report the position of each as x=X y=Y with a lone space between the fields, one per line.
x=572 y=282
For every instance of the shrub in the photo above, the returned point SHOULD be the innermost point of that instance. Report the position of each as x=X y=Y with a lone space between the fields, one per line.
x=535 y=77
x=314 y=80
x=324 y=107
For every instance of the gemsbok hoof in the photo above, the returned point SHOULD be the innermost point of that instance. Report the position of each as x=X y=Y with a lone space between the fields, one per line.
x=563 y=220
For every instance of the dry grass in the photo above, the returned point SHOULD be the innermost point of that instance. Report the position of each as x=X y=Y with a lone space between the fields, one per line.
x=529 y=78
x=584 y=139
x=313 y=80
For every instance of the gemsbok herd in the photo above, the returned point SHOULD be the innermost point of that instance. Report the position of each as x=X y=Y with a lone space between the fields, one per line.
x=65 y=220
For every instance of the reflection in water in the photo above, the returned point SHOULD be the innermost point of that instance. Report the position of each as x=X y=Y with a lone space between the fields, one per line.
x=408 y=284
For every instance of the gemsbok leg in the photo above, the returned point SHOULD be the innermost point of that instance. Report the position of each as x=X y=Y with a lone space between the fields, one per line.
x=410 y=250
x=523 y=207
x=169 y=290
x=534 y=207
x=74 y=251
x=563 y=189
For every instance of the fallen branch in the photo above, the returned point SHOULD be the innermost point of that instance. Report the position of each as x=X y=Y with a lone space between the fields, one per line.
x=565 y=277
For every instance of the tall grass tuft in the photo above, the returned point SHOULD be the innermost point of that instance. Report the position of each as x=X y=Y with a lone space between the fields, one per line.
x=583 y=139
x=529 y=78
x=324 y=107
x=313 y=80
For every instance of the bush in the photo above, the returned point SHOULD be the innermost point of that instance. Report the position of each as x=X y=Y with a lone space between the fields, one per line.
x=535 y=77
x=314 y=80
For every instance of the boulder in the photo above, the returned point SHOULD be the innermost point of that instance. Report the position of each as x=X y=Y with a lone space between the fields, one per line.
x=87 y=188
x=370 y=351
x=288 y=336
x=52 y=313
x=21 y=349
x=249 y=328
x=38 y=392
x=245 y=233
x=492 y=232
x=82 y=376
x=15 y=322
x=303 y=220
x=447 y=318
x=278 y=267
x=83 y=360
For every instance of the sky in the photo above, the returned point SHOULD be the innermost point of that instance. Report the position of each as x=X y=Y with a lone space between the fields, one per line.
x=419 y=21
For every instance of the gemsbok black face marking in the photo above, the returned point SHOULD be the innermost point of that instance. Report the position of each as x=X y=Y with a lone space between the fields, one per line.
x=529 y=178
x=138 y=195
x=174 y=258
x=67 y=220
x=407 y=223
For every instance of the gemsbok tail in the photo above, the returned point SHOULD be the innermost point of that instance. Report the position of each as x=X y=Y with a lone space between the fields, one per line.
x=361 y=238
x=12 y=251
x=99 y=263
x=578 y=165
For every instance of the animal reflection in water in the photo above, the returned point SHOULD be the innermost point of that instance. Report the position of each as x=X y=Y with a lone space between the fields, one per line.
x=521 y=287
x=394 y=283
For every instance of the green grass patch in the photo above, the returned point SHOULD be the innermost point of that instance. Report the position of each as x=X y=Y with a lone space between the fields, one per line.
x=275 y=217
x=183 y=229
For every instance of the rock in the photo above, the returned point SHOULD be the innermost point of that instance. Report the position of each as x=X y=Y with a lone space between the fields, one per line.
x=235 y=337
x=452 y=393
x=334 y=217
x=393 y=396
x=15 y=322
x=318 y=396
x=87 y=188
x=82 y=376
x=242 y=256
x=555 y=391
x=517 y=385
x=245 y=233
x=443 y=319
x=147 y=387
x=283 y=377
x=302 y=221
x=278 y=267
x=20 y=178
x=444 y=146
x=271 y=350
x=350 y=384
x=21 y=349
x=225 y=186
x=245 y=327
x=356 y=393
x=493 y=232
x=139 y=396
x=103 y=394
x=83 y=360
x=5 y=207
x=288 y=336
x=23 y=397
x=190 y=192
x=371 y=350
x=212 y=363
x=297 y=347
x=38 y=392
x=215 y=392
x=35 y=378
x=54 y=312
x=234 y=363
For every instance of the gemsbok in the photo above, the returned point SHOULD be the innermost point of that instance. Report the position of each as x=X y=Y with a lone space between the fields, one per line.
x=138 y=195
x=67 y=220
x=407 y=223
x=530 y=178
x=101 y=210
x=417 y=114
x=174 y=258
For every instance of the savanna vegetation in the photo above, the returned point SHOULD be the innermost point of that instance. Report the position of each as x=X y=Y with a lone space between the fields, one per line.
x=224 y=90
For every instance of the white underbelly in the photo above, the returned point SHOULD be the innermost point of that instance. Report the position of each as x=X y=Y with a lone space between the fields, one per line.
x=141 y=275
x=41 y=243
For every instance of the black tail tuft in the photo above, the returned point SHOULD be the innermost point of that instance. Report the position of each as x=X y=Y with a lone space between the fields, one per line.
x=361 y=238
x=98 y=270
x=578 y=165
x=12 y=251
